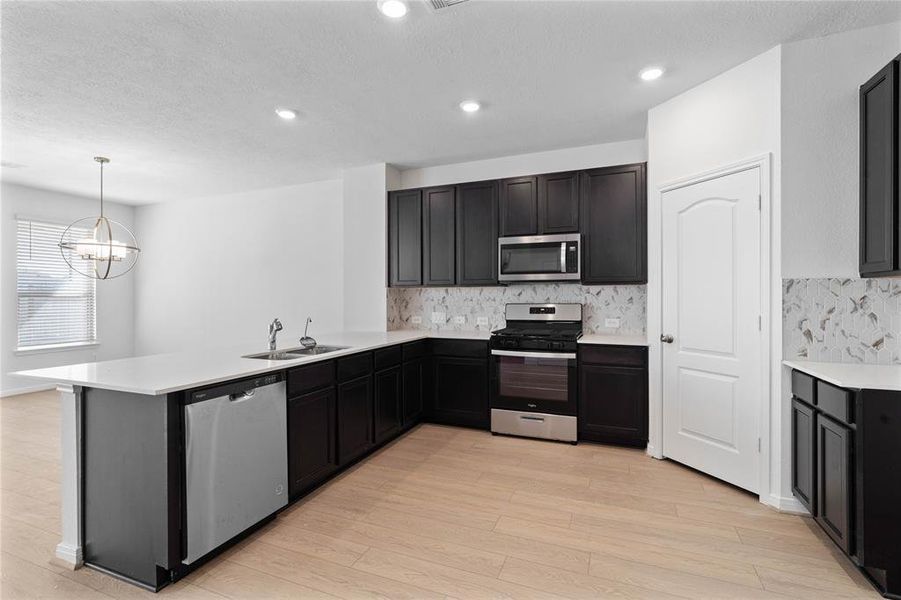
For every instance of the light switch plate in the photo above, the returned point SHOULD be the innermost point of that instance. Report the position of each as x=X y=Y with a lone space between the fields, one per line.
x=417 y=320
x=482 y=321
x=612 y=322
x=439 y=317
x=459 y=320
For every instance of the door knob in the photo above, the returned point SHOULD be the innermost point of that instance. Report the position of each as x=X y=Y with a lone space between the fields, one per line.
x=666 y=339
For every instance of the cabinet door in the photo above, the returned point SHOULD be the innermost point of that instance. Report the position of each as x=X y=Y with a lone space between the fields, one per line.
x=519 y=206
x=834 y=481
x=477 y=233
x=387 y=403
x=460 y=391
x=414 y=391
x=438 y=236
x=613 y=404
x=558 y=203
x=405 y=238
x=804 y=444
x=614 y=225
x=354 y=418
x=311 y=439
x=879 y=173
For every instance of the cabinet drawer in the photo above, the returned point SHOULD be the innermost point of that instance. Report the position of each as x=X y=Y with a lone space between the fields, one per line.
x=387 y=357
x=311 y=377
x=461 y=348
x=614 y=355
x=804 y=387
x=354 y=366
x=835 y=402
x=416 y=349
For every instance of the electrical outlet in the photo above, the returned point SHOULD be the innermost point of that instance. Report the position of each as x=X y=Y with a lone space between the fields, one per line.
x=439 y=318
x=482 y=321
x=612 y=322
x=459 y=320
x=417 y=320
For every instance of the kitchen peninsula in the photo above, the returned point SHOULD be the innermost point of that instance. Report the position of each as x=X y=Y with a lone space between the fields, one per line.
x=170 y=458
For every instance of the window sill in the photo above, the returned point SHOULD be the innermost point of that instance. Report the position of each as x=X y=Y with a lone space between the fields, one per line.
x=55 y=348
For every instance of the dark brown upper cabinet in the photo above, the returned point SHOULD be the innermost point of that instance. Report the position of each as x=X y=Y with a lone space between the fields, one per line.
x=880 y=171
x=614 y=225
x=558 y=203
x=519 y=206
x=438 y=236
x=405 y=238
x=477 y=233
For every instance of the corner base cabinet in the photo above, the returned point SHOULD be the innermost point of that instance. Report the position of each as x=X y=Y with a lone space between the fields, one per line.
x=845 y=446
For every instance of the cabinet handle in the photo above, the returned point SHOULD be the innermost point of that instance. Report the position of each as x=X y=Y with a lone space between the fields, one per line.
x=666 y=338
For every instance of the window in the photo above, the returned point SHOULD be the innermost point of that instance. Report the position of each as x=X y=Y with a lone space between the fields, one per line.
x=55 y=305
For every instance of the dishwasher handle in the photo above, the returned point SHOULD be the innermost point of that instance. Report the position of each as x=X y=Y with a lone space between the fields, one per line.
x=241 y=396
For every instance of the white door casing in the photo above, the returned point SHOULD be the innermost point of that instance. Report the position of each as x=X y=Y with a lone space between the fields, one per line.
x=711 y=306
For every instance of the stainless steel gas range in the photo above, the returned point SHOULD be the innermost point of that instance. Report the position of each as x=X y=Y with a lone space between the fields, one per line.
x=534 y=380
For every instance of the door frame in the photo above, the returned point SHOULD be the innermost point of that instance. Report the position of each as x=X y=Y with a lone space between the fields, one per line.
x=767 y=334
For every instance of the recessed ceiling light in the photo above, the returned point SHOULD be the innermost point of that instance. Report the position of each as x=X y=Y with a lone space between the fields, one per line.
x=470 y=106
x=393 y=8
x=286 y=113
x=651 y=73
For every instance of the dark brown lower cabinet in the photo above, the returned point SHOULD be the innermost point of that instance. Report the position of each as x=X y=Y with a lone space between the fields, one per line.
x=460 y=391
x=388 y=390
x=804 y=448
x=414 y=376
x=613 y=395
x=311 y=439
x=834 y=477
x=845 y=448
x=354 y=409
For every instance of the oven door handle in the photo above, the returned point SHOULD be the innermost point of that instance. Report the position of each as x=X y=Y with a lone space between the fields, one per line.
x=560 y=355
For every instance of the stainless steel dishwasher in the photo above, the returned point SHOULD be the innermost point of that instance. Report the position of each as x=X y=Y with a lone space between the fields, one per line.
x=236 y=460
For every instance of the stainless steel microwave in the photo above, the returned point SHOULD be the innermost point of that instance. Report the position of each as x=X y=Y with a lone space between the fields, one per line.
x=539 y=258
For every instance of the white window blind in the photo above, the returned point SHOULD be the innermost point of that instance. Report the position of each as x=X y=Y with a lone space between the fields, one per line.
x=56 y=306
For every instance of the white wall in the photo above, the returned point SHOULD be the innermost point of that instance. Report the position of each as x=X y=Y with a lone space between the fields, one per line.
x=820 y=147
x=730 y=118
x=366 y=247
x=217 y=270
x=567 y=159
x=115 y=297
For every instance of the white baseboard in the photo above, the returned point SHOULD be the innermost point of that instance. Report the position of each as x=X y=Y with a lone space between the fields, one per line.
x=27 y=390
x=69 y=554
x=786 y=504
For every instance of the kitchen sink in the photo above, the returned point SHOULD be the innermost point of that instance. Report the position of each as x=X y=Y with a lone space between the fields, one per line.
x=318 y=350
x=295 y=353
x=277 y=355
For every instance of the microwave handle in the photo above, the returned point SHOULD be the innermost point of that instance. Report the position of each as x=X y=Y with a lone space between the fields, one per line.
x=563 y=257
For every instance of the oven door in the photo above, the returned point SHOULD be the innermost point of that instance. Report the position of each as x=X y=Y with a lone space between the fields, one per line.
x=539 y=258
x=538 y=382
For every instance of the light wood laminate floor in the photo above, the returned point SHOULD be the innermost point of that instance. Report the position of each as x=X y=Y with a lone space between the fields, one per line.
x=454 y=513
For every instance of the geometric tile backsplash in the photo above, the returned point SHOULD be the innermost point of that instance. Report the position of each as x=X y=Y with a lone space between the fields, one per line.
x=626 y=302
x=842 y=320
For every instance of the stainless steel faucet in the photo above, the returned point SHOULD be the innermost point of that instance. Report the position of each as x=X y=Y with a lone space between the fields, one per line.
x=274 y=328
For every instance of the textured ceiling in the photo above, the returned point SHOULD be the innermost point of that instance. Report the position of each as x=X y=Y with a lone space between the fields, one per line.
x=181 y=94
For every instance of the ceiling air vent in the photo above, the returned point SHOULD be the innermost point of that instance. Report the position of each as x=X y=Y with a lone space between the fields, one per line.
x=439 y=4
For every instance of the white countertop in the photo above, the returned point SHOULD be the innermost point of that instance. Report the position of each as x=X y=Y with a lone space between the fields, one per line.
x=613 y=340
x=158 y=374
x=852 y=375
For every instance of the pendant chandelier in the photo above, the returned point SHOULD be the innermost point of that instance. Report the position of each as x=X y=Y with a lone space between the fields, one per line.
x=99 y=247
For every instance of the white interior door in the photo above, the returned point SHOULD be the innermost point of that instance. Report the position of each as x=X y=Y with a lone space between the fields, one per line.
x=711 y=309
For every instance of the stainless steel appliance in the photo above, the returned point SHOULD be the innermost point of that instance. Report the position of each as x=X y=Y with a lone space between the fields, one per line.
x=534 y=381
x=236 y=460
x=539 y=258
